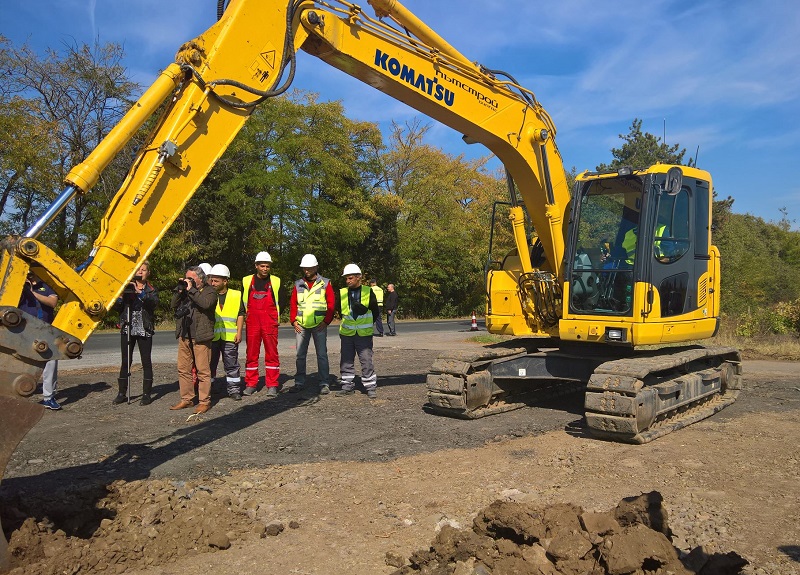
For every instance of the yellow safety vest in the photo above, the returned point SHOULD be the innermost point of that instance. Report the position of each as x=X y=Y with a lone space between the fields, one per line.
x=276 y=285
x=312 y=306
x=378 y=294
x=629 y=245
x=225 y=318
x=362 y=325
x=661 y=232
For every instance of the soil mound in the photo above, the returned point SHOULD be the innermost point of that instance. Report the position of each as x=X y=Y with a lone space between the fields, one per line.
x=130 y=525
x=562 y=539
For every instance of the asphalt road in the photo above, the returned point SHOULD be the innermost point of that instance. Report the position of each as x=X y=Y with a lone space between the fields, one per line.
x=103 y=349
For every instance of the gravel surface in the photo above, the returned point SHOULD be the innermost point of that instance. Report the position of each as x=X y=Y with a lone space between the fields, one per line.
x=319 y=484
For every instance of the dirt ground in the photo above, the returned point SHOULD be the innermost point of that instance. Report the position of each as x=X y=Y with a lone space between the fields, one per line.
x=310 y=484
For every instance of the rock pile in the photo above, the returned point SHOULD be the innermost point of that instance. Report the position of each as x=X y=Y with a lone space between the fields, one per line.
x=562 y=539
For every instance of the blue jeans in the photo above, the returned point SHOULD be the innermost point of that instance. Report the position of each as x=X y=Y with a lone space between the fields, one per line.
x=302 y=340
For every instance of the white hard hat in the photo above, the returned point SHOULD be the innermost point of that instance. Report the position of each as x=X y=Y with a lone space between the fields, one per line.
x=263 y=257
x=220 y=270
x=309 y=261
x=206 y=267
x=351 y=269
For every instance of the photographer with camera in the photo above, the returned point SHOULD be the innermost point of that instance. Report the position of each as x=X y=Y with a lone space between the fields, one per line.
x=193 y=303
x=137 y=307
x=39 y=300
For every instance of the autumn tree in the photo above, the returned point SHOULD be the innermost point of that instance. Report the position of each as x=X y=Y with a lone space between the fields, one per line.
x=443 y=223
x=66 y=102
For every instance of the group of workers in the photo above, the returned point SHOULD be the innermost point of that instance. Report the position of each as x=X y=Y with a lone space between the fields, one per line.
x=211 y=318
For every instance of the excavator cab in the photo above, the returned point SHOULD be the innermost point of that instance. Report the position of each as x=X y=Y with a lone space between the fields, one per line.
x=658 y=267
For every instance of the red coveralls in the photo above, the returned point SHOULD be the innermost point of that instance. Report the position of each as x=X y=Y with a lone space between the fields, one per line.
x=262 y=326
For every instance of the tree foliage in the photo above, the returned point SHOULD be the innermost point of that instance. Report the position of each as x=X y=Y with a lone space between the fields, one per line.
x=641 y=150
x=59 y=106
x=443 y=222
x=303 y=178
x=297 y=179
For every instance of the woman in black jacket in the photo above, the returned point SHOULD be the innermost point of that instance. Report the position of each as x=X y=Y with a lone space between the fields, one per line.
x=136 y=312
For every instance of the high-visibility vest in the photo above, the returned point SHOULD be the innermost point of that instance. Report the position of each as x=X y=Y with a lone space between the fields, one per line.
x=658 y=248
x=378 y=294
x=312 y=305
x=276 y=285
x=629 y=245
x=629 y=242
x=225 y=318
x=362 y=325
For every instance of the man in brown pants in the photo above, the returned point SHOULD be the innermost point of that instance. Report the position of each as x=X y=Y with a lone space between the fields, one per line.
x=193 y=304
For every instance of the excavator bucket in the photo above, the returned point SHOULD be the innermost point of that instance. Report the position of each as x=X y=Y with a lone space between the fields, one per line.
x=18 y=419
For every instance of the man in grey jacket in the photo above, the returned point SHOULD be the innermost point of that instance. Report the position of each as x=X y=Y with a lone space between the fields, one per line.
x=193 y=303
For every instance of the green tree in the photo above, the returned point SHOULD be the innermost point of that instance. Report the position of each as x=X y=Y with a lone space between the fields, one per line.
x=297 y=179
x=641 y=150
x=78 y=94
x=444 y=208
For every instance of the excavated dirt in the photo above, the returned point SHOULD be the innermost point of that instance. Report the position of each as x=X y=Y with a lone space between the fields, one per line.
x=311 y=484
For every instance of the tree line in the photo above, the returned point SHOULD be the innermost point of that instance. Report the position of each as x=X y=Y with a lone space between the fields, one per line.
x=301 y=178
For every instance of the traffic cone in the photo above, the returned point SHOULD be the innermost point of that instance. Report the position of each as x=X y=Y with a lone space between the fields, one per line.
x=474 y=322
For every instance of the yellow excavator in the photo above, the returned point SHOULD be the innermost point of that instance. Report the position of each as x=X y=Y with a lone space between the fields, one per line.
x=621 y=261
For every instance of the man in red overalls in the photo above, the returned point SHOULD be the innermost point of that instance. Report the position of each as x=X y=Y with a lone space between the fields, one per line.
x=260 y=295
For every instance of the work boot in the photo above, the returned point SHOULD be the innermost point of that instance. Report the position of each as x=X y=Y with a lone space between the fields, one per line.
x=147 y=387
x=122 y=396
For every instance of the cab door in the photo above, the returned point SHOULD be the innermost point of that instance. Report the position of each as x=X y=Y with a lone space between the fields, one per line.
x=679 y=252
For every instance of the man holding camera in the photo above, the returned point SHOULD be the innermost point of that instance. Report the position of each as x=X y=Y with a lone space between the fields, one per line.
x=193 y=303
x=39 y=300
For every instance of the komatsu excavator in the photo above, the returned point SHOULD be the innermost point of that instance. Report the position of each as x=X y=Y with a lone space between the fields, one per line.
x=623 y=260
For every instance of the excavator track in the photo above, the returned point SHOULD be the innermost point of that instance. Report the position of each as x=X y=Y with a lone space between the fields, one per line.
x=639 y=399
x=471 y=385
x=634 y=399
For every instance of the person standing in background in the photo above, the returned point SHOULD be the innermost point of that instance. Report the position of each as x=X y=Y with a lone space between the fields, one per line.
x=391 y=308
x=229 y=320
x=193 y=303
x=310 y=313
x=260 y=296
x=137 y=307
x=378 y=291
x=358 y=308
x=39 y=300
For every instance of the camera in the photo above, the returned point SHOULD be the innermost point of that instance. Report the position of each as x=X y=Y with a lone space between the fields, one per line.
x=130 y=290
x=183 y=310
x=180 y=286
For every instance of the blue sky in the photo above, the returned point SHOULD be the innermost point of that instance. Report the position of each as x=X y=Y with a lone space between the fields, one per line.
x=721 y=75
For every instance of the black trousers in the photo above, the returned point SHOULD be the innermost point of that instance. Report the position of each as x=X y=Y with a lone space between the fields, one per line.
x=145 y=350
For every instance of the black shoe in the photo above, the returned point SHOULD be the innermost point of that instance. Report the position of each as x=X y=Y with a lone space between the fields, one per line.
x=146 y=399
x=392 y=334
x=378 y=335
x=235 y=396
x=344 y=392
x=121 y=398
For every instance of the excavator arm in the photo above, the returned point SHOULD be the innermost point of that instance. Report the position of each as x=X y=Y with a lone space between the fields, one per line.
x=216 y=82
x=207 y=95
